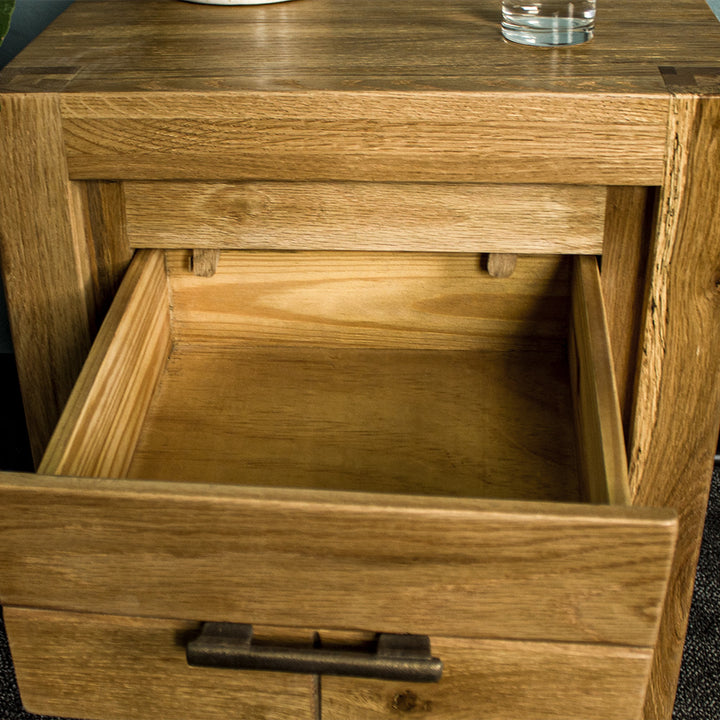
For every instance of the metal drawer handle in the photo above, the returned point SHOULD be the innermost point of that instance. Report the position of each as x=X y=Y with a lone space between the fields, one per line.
x=396 y=657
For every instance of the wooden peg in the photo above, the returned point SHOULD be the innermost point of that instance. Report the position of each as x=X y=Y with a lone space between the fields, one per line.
x=501 y=265
x=204 y=261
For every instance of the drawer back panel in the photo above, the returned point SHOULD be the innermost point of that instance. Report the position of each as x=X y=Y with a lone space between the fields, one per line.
x=436 y=301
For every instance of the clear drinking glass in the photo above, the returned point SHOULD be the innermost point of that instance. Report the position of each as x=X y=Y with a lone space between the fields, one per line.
x=548 y=22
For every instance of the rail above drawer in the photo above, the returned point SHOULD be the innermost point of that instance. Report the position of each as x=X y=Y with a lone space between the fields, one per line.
x=430 y=217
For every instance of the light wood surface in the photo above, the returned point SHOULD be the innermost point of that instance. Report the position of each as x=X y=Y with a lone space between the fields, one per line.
x=462 y=423
x=366 y=136
x=116 y=668
x=476 y=422
x=500 y=680
x=293 y=117
x=397 y=416
x=438 y=566
x=677 y=408
x=98 y=430
x=381 y=300
x=601 y=446
x=367 y=216
x=41 y=235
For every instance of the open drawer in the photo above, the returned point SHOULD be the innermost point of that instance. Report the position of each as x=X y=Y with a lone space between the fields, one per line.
x=339 y=444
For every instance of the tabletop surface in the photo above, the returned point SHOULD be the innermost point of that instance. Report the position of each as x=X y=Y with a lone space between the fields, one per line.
x=414 y=45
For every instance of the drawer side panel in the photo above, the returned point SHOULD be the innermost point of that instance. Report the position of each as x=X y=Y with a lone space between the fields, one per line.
x=601 y=444
x=100 y=425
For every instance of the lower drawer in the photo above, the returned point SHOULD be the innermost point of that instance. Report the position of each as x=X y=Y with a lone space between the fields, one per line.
x=121 y=668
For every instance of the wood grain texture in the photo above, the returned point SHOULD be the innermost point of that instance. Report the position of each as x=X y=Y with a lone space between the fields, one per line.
x=323 y=45
x=500 y=680
x=422 y=422
x=99 y=427
x=40 y=235
x=366 y=136
x=677 y=407
x=366 y=216
x=626 y=246
x=438 y=566
x=601 y=446
x=115 y=668
x=378 y=300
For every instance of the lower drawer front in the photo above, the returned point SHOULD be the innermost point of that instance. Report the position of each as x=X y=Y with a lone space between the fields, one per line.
x=119 y=668
x=504 y=680
x=111 y=667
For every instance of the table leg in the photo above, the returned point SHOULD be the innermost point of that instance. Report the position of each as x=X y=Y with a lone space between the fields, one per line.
x=676 y=413
x=46 y=305
x=62 y=250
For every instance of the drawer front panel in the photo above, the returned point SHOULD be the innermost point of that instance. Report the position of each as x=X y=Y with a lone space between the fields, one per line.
x=115 y=668
x=427 y=566
x=367 y=216
x=499 y=680
x=85 y=665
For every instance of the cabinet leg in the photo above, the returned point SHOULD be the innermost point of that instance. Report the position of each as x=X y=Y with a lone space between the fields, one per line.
x=46 y=300
x=676 y=412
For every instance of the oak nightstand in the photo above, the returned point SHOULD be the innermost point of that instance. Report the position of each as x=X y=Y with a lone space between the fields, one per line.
x=402 y=395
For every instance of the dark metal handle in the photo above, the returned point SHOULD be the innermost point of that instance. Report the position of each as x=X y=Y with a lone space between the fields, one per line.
x=395 y=657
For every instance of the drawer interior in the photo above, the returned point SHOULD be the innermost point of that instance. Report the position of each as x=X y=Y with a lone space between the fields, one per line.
x=410 y=373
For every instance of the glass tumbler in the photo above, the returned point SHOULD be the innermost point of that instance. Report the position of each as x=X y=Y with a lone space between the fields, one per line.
x=548 y=23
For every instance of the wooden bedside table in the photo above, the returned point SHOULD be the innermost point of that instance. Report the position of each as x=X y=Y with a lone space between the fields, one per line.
x=328 y=399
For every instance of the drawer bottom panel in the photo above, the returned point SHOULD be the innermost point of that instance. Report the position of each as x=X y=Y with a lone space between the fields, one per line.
x=110 y=667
